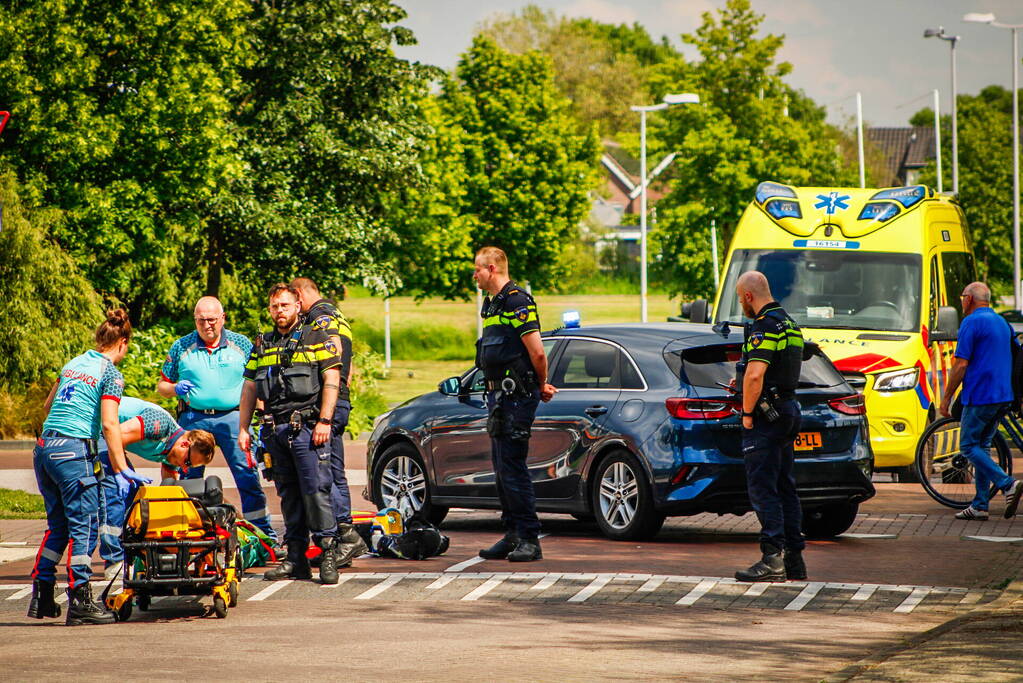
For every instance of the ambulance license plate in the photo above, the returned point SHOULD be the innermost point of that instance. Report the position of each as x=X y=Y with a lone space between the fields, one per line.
x=808 y=441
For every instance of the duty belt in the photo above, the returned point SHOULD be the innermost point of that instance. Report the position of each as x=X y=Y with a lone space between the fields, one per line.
x=212 y=411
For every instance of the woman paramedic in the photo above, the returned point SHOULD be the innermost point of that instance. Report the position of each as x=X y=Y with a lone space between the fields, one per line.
x=148 y=431
x=83 y=400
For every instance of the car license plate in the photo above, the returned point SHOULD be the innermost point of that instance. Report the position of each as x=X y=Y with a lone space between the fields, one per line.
x=807 y=441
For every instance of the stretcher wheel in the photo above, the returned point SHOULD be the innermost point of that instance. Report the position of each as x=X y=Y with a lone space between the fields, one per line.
x=219 y=607
x=239 y=565
x=143 y=601
x=232 y=592
x=123 y=612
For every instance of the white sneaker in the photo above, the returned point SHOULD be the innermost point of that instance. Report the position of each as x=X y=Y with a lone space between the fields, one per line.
x=1012 y=496
x=113 y=570
x=973 y=514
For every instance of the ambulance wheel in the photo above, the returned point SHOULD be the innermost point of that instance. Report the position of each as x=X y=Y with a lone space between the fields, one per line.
x=219 y=607
x=232 y=592
x=123 y=612
x=143 y=601
x=400 y=481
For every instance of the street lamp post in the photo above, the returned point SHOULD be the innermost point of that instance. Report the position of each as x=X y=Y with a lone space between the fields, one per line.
x=669 y=100
x=953 y=41
x=988 y=18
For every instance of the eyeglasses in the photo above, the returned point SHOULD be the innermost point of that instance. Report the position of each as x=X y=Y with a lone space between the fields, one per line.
x=208 y=321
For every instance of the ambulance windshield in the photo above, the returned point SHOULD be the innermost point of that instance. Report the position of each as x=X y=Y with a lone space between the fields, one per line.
x=833 y=289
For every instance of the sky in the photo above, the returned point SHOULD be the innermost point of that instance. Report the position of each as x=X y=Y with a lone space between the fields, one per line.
x=836 y=47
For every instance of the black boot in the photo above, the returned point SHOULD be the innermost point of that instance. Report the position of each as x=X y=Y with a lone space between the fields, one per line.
x=328 y=561
x=82 y=609
x=795 y=568
x=349 y=544
x=502 y=548
x=288 y=570
x=42 y=604
x=771 y=566
x=528 y=550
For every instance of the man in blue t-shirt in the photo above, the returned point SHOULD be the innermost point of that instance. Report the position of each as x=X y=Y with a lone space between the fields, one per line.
x=983 y=365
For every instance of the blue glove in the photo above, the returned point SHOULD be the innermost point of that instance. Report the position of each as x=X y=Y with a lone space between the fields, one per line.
x=125 y=479
x=183 y=387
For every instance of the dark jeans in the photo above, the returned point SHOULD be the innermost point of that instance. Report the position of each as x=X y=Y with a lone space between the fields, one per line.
x=341 y=495
x=977 y=427
x=508 y=451
x=767 y=449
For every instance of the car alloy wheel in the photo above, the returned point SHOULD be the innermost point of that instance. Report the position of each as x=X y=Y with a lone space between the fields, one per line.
x=622 y=500
x=400 y=482
x=619 y=494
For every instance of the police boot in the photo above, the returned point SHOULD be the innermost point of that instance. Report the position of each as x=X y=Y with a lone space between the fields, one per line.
x=771 y=566
x=42 y=603
x=502 y=548
x=328 y=561
x=528 y=550
x=82 y=609
x=288 y=570
x=349 y=545
x=795 y=568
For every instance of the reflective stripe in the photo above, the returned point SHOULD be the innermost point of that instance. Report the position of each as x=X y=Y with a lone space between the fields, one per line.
x=51 y=555
x=80 y=560
x=109 y=530
x=256 y=514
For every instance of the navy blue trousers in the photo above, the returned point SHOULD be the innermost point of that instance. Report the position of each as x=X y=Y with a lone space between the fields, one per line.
x=767 y=449
x=508 y=451
x=340 y=496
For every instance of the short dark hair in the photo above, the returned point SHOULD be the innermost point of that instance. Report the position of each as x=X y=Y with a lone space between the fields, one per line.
x=282 y=287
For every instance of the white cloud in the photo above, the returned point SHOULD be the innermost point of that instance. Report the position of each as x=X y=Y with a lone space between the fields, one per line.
x=601 y=10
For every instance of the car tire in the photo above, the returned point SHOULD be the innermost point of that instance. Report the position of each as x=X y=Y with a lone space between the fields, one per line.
x=396 y=475
x=622 y=500
x=829 y=521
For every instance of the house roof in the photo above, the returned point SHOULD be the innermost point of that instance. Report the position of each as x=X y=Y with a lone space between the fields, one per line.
x=909 y=147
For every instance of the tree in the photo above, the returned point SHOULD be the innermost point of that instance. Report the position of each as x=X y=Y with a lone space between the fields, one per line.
x=749 y=127
x=504 y=169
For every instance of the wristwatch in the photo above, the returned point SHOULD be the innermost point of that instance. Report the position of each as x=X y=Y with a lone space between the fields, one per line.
x=747 y=414
x=324 y=420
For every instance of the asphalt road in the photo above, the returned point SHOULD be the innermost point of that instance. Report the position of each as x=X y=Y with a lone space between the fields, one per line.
x=592 y=609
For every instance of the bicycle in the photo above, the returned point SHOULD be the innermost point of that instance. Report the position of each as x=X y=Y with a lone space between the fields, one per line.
x=945 y=473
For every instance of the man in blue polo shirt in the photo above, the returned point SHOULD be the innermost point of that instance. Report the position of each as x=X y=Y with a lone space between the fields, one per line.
x=983 y=365
x=204 y=370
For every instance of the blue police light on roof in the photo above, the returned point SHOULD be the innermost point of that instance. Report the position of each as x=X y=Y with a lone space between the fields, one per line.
x=907 y=196
x=879 y=211
x=783 y=208
x=570 y=319
x=767 y=189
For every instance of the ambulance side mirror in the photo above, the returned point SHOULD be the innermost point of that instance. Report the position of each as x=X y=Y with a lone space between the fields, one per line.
x=696 y=311
x=947 y=327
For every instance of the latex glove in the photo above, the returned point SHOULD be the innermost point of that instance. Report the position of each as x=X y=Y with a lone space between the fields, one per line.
x=183 y=387
x=125 y=479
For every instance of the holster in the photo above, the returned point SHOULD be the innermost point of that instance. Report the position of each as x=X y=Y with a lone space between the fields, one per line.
x=495 y=422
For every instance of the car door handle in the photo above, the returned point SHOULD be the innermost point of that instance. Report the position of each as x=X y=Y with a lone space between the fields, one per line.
x=596 y=410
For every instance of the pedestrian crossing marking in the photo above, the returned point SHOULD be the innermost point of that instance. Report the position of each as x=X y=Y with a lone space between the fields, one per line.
x=595 y=585
x=380 y=587
x=803 y=599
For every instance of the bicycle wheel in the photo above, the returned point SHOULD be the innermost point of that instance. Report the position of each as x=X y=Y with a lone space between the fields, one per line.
x=945 y=473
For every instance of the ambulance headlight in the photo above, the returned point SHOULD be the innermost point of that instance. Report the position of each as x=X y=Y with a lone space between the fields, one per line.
x=897 y=380
x=571 y=319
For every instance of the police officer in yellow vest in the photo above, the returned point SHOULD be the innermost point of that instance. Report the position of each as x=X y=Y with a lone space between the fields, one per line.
x=514 y=365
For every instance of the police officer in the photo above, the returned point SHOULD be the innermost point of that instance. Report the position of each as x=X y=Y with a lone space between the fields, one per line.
x=148 y=431
x=514 y=365
x=204 y=370
x=295 y=371
x=323 y=314
x=83 y=401
x=772 y=354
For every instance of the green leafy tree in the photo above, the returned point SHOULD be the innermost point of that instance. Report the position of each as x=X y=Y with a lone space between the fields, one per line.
x=750 y=126
x=504 y=168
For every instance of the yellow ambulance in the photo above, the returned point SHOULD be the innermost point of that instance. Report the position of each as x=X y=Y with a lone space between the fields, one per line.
x=873 y=276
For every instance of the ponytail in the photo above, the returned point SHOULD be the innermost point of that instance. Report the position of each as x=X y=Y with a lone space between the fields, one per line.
x=115 y=328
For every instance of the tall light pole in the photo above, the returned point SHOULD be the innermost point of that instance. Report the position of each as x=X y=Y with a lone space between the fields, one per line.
x=953 y=41
x=669 y=100
x=989 y=18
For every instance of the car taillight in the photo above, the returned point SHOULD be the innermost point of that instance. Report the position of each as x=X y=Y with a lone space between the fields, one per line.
x=700 y=408
x=850 y=405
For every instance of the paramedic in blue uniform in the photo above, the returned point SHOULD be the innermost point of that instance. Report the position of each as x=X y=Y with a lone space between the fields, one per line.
x=514 y=365
x=148 y=431
x=81 y=404
x=296 y=374
x=772 y=353
x=204 y=370
x=323 y=314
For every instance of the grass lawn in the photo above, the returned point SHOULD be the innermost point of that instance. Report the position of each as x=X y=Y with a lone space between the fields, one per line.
x=408 y=378
x=21 y=505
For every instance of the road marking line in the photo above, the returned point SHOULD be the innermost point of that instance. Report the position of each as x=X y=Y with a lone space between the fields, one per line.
x=595 y=585
x=487 y=586
x=13 y=544
x=994 y=539
x=344 y=578
x=652 y=584
x=971 y=598
x=380 y=587
x=464 y=565
x=697 y=592
x=441 y=582
x=807 y=594
x=546 y=582
x=756 y=589
x=270 y=590
x=864 y=592
x=914 y=599
x=18 y=595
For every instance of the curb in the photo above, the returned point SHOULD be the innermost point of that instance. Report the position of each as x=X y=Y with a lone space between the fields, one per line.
x=17 y=445
x=1011 y=593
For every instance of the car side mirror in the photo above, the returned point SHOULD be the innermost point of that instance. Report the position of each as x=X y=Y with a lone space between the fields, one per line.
x=452 y=386
x=947 y=325
x=696 y=311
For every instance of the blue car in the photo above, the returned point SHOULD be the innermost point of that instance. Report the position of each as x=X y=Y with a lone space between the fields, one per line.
x=641 y=429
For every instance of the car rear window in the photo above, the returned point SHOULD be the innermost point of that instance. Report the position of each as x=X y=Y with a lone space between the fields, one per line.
x=711 y=366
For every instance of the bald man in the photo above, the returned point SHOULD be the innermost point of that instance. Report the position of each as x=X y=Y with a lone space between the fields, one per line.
x=772 y=355
x=203 y=370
